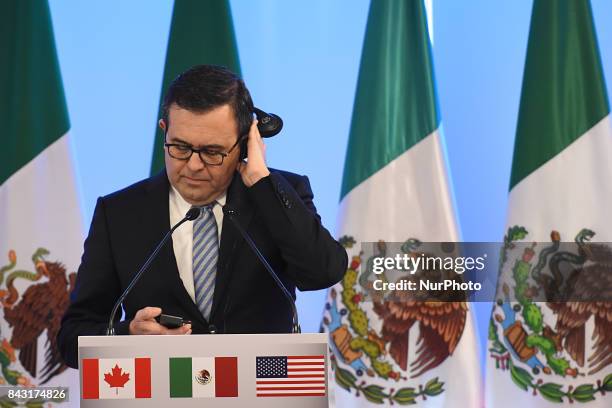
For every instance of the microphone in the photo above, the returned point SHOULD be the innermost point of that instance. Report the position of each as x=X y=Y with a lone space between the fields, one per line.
x=230 y=213
x=192 y=214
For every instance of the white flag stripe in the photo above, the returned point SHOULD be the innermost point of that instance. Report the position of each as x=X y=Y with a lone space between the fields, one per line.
x=203 y=390
x=123 y=367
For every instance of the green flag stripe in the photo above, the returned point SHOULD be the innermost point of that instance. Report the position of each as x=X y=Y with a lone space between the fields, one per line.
x=202 y=32
x=564 y=92
x=180 y=378
x=395 y=103
x=32 y=103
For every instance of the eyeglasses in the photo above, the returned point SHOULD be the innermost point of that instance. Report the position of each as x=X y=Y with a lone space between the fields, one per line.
x=181 y=151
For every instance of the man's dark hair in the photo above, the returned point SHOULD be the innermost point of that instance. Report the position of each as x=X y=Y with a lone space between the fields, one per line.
x=203 y=88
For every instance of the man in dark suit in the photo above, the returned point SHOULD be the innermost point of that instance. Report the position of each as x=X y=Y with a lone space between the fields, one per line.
x=208 y=274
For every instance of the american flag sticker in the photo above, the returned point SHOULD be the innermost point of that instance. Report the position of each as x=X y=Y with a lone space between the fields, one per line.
x=291 y=376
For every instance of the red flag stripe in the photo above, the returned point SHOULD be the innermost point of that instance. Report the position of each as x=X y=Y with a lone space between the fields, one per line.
x=89 y=369
x=306 y=363
x=291 y=382
x=142 y=384
x=304 y=357
x=226 y=376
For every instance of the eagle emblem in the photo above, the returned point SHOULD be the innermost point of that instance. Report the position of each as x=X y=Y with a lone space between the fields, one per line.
x=378 y=348
x=30 y=314
x=203 y=377
x=538 y=329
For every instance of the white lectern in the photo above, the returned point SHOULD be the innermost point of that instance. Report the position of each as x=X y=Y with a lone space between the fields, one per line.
x=218 y=370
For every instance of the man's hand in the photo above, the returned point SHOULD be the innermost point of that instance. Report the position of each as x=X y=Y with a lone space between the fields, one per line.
x=144 y=323
x=254 y=169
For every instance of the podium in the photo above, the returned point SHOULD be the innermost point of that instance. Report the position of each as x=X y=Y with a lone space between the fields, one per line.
x=218 y=370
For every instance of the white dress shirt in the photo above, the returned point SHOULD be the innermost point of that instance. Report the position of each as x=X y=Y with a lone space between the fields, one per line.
x=182 y=239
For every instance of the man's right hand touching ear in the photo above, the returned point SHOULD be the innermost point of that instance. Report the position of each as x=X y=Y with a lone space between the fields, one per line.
x=144 y=323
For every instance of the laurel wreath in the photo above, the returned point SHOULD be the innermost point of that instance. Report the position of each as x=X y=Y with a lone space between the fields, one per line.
x=5 y=402
x=555 y=392
x=377 y=394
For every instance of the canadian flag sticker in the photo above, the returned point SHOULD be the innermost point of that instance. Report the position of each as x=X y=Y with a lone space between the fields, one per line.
x=116 y=378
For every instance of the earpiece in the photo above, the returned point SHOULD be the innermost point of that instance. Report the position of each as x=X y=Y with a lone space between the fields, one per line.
x=268 y=124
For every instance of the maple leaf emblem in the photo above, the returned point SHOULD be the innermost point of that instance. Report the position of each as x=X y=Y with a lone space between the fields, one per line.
x=117 y=378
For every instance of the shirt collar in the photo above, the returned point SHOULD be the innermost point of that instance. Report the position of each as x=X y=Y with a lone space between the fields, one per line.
x=183 y=206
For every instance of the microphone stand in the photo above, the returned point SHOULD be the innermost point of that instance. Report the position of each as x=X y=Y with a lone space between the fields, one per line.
x=230 y=214
x=191 y=215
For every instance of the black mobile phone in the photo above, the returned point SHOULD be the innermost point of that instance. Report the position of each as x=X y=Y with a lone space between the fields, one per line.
x=171 y=322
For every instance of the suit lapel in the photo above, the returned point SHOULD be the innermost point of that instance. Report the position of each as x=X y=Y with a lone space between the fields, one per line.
x=231 y=240
x=158 y=217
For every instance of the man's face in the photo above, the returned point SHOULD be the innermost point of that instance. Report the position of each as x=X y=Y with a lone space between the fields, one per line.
x=217 y=130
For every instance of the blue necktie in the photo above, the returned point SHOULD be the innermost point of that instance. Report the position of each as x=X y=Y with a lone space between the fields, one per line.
x=205 y=255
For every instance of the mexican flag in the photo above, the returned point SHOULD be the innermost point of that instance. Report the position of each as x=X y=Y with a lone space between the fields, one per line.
x=548 y=354
x=203 y=377
x=40 y=217
x=111 y=378
x=396 y=189
x=202 y=32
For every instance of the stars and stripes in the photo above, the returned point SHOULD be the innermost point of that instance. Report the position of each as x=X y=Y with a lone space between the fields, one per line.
x=290 y=376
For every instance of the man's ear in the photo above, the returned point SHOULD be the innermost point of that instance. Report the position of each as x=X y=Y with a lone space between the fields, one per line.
x=162 y=124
